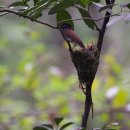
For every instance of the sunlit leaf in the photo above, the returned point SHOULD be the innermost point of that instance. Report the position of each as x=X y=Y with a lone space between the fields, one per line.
x=84 y=3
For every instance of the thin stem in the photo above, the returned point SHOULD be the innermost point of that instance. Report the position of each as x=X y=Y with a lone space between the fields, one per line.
x=87 y=18
x=66 y=20
x=19 y=14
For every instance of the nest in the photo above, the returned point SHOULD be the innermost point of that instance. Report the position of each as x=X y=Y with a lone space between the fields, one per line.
x=86 y=62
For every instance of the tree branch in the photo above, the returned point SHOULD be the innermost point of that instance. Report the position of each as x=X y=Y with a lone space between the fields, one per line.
x=66 y=20
x=103 y=29
x=88 y=96
x=19 y=14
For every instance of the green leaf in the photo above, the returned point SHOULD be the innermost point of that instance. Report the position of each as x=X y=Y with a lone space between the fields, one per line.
x=66 y=125
x=35 y=1
x=84 y=3
x=41 y=2
x=106 y=7
x=48 y=126
x=64 y=15
x=36 y=15
x=29 y=10
x=61 y=6
x=40 y=128
x=26 y=1
x=37 y=9
x=58 y=120
x=88 y=22
x=18 y=3
x=96 y=1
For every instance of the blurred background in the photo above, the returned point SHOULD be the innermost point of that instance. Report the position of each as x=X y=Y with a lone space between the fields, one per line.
x=38 y=81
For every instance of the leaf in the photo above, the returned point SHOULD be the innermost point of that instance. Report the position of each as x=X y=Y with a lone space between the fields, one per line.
x=84 y=3
x=18 y=3
x=2 y=14
x=40 y=128
x=36 y=15
x=98 y=4
x=88 y=22
x=61 y=6
x=106 y=7
x=95 y=1
x=115 y=20
x=58 y=120
x=48 y=126
x=64 y=15
x=66 y=125
x=26 y=1
x=125 y=5
x=29 y=10
x=38 y=9
x=35 y=1
x=41 y=2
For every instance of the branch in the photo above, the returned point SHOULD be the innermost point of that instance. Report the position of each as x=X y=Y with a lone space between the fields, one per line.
x=88 y=18
x=103 y=29
x=88 y=96
x=19 y=14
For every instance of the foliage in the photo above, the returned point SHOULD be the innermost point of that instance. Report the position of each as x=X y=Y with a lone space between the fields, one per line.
x=57 y=121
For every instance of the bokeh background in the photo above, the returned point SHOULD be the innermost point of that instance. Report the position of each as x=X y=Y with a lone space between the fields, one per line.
x=38 y=81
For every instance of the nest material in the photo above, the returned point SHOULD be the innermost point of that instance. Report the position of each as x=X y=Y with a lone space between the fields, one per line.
x=86 y=63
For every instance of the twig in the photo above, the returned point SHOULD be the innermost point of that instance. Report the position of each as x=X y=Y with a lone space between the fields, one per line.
x=66 y=20
x=19 y=14
x=87 y=18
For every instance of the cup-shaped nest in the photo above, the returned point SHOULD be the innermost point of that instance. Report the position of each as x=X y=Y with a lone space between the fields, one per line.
x=86 y=62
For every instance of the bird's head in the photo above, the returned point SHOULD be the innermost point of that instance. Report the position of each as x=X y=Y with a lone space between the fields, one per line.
x=65 y=26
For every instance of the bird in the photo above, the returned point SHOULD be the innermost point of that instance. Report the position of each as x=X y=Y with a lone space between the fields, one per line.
x=71 y=36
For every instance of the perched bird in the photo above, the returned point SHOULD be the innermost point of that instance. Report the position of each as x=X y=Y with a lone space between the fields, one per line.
x=71 y=36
